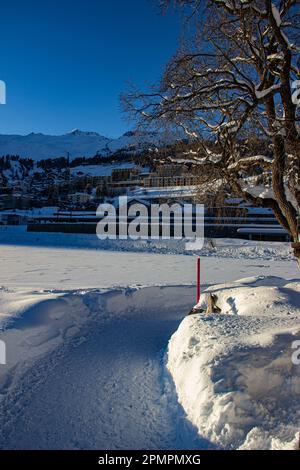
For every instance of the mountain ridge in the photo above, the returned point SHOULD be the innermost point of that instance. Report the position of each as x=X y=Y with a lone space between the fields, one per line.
x=79 y=143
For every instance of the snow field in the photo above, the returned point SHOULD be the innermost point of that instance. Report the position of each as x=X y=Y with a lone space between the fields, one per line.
x=222 y=247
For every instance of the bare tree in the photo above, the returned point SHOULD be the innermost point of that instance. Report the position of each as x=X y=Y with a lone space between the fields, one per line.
x=235 y=81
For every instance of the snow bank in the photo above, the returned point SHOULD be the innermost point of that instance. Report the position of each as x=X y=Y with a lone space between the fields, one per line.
x=220 y=247
x=233 y=371
x=32 y=324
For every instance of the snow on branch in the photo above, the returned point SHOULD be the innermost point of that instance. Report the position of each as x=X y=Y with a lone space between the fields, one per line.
x=251 y=161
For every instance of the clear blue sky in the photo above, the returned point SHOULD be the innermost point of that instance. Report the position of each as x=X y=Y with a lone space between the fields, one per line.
x=65 y=62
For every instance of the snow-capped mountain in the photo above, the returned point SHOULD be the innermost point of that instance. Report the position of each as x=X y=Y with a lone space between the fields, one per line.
x=78 y=144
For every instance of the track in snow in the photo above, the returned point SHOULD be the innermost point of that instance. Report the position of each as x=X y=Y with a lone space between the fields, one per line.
x=107 y=387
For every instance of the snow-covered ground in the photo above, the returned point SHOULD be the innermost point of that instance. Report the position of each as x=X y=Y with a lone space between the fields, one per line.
x=100 y=170
x=233 y=370
x=87 y=330
x=176 y=192
x=75 y=268
x=220 y=247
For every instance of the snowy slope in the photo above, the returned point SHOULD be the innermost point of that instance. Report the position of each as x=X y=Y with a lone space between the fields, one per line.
x=78 y=143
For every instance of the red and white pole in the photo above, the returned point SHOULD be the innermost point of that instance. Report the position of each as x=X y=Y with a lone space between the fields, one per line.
x=198 y=279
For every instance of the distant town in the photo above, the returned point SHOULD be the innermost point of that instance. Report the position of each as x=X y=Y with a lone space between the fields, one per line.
x=62 y=194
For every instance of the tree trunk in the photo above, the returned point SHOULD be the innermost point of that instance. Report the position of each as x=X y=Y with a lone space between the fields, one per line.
x=286 y=206
x=296 y=246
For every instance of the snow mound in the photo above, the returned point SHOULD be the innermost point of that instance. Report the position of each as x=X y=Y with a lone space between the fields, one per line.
x=233 y=371
x=260 y=295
